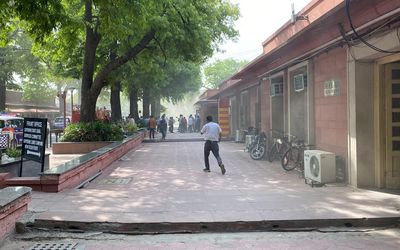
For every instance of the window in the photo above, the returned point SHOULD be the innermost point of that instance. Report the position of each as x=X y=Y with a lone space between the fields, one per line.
x=276 y=89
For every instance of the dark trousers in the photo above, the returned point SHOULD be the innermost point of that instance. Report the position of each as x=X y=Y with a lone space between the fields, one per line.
x=151 y=134
x=163 y=132
x=214 y=148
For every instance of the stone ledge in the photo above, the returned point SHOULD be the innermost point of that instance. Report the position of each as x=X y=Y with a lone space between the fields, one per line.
x=13 y=204
x=76 y=171
x=3 y=178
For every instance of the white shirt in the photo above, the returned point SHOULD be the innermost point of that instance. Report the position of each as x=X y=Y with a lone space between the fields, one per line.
x=191 y=120
x=211 y=131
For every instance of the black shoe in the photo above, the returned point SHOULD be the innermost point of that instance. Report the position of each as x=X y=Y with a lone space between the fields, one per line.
x=223 y=170
x=206 y=170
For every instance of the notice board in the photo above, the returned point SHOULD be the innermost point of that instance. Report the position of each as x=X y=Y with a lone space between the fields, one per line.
x=34 y=140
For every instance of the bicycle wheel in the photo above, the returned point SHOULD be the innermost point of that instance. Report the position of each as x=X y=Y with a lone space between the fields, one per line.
x=272 y=153
x=291 y=159
x=257 y=153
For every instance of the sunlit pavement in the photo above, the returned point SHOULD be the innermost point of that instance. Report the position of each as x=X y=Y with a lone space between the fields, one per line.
x=164 y=182
x=176 y=136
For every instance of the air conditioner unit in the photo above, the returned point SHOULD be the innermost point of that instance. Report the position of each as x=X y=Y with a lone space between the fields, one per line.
x=238 y=136
x=276 y=89
x=299 y=82
x=319 y=166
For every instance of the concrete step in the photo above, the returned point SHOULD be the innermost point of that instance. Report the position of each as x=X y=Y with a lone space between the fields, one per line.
x=206 y=227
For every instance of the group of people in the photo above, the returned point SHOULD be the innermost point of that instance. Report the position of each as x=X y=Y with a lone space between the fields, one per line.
x=192 y=124
x=102 y=114
x=160 y=124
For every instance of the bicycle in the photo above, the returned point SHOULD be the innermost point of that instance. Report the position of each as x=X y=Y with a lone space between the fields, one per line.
x=294 y=156
x=259 y=147
x=278 y=147
x=249 y=142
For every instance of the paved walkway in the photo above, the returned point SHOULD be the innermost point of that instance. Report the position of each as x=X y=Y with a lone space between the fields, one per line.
x=181 y=137
x=164 y=182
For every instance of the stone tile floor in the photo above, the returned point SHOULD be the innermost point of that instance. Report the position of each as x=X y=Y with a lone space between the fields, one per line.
x=167 y=184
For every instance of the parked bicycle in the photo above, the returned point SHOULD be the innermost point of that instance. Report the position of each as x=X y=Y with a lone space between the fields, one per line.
x=249 y=136
x=294 y=156
x=279 y=146
x=258 y=148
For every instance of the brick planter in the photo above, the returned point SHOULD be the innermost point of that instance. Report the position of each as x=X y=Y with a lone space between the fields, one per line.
x=13 y=204
x=73 y=173
x=78 y=147
x=29 y=168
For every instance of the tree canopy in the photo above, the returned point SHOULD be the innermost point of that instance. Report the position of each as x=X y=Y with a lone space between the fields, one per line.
x=220 y=70
x=190 y=30
x=17 y=60
x=76 y=38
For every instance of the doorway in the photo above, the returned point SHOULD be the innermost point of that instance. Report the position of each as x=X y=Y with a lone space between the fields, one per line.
x=276 y=103
x=298 y=103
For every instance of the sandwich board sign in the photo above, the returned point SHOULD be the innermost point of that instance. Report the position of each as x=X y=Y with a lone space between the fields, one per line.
x=34 y=141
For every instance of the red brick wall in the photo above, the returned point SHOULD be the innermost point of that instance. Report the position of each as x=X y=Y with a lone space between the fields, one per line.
x=11 y=213
x=331 y=111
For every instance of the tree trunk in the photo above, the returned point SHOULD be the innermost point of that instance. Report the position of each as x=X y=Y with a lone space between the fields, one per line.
x=146 y=102
x=153 y=108
x=133 y=103
x=115 y=99
x=115 y=102
x=2 y=95
x=89 y=97
x=157 y=107
x=91 y=87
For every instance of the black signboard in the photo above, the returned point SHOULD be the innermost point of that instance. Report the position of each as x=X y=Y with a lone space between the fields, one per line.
x=34 y=140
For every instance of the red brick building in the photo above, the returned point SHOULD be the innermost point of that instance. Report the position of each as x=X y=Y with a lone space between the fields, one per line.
x=330 y=76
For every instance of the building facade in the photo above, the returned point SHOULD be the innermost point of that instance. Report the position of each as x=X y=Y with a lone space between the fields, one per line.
x=331 y=77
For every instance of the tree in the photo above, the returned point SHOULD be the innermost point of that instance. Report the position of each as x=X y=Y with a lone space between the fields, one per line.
x=16 y=59
x=40 y=17
x=187 y=29
x=158 y=79
x=220 y=70
x=6 y=74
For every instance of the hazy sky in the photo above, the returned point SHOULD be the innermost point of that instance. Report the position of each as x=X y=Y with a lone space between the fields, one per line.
x=259 y=19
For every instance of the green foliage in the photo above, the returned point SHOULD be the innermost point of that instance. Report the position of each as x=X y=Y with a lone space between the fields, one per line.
x=220 y=70
x=38 y=92
x=40 y=16
x=128 y=127
x=70 y=30
x=169 y=80
x=13 y=152
x=93 y=131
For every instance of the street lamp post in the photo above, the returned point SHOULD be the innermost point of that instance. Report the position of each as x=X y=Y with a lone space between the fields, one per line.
x=72 y=98
x=62 y=95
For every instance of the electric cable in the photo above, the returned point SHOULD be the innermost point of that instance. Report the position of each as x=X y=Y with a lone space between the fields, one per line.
x=362 y=39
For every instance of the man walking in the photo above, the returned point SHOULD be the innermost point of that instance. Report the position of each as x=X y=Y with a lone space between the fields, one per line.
x=212 y=135
x=152 y=126
x=163 y=126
